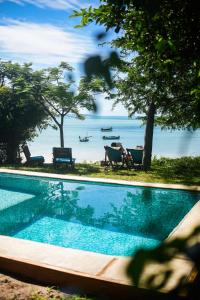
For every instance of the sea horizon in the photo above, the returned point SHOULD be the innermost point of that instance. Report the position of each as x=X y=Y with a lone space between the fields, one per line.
x=166 y=143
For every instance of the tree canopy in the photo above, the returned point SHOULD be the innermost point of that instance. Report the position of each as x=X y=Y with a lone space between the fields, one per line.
x=20 y=115
x=165 y=35
x=160 y=42
x=31 y=99
x=59 y=95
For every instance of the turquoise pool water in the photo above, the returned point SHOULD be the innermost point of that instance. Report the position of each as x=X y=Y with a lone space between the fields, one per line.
x=104 y=218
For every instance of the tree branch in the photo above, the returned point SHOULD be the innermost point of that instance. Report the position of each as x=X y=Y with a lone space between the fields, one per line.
x=45 y=99
x=48 y=111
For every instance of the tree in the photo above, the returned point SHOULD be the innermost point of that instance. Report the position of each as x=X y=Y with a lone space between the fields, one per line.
x=138 y=92
x=20 y=115
x=166 y=30
x=30 y=99
x=147 y=93
x=164 y=35
x=58 y=97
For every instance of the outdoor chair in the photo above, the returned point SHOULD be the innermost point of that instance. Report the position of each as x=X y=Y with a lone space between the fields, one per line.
x=114 y=157
x=116 y=144
x=63 y=156
x=136 y=157
x=32 y=160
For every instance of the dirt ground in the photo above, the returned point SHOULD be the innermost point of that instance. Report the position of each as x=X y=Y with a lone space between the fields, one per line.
x=15 y=289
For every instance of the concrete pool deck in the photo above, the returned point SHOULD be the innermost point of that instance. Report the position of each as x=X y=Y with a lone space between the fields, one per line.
x=93 y=272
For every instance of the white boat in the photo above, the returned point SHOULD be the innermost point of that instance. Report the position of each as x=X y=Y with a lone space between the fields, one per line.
x=84 y=139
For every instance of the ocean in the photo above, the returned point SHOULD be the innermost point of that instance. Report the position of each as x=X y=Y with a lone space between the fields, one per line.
x=166 y=143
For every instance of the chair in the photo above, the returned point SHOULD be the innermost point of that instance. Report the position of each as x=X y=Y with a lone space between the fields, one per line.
x=38 y=160
x=63 y=156
x=114 y=157
x=115 y=144
x=136 y=156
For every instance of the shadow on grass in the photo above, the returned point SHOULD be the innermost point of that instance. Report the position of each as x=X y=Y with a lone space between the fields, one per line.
x=80 y=169
x=185 y=170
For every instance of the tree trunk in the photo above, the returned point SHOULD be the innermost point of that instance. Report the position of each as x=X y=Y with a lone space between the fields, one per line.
x=148 y=140
x=12 y=150
x=61 y=132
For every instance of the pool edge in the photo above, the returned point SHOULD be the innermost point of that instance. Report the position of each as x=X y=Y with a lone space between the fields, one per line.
x=101 y=180
x=108 y=277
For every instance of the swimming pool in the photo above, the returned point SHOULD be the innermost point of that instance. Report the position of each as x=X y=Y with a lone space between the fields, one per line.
x=105 y=218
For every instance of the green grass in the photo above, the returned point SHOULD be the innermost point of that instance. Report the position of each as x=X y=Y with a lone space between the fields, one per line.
x=185 y=170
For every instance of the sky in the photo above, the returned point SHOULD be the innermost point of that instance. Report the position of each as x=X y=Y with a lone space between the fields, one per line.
x=42 y=32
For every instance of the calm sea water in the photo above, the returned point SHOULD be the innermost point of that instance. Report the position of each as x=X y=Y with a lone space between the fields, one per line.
x=166 y=143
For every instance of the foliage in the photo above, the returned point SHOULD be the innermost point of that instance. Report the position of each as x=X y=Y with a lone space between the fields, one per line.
x=166 y=32
x=98 y=67
x=59 y=97
x=30 y=99
x=162 y=73
x=137 y=87
x=20 y=115
x=165 y=36
x=163 y=255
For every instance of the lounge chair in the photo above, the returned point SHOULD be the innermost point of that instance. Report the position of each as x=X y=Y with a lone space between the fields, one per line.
x=115 y=144
x=32 y=160
x=115 y=157
x=63 y=156
x=136 y=156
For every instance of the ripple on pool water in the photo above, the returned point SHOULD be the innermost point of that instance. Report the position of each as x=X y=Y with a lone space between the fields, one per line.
x=78 y=236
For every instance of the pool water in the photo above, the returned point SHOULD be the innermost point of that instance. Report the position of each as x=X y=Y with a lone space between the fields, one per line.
x=104 y=218
x=11 y=198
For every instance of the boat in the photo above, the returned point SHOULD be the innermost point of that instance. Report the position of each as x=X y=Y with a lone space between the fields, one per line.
x=112 y=137
x=84 y=139
x=106 y=129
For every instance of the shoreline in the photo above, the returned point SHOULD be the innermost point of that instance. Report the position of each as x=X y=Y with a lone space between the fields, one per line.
x=166 y=143
x=49 y=159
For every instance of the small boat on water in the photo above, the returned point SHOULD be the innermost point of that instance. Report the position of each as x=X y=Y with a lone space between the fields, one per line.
x=106 y=129
x=84 y=139
x=112 y=137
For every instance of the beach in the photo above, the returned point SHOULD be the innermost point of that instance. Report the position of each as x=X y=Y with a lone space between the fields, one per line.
x=166 y=143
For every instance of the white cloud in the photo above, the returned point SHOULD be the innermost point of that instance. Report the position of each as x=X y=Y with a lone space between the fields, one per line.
x=42 y=44
x=54 y=4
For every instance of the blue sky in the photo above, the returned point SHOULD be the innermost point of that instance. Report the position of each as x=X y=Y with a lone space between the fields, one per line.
x=41 y=32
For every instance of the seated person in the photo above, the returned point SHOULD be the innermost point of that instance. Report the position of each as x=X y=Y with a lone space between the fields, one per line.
x=118 y=146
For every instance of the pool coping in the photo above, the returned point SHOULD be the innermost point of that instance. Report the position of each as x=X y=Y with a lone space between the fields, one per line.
x=57 y=265
x=102 y=180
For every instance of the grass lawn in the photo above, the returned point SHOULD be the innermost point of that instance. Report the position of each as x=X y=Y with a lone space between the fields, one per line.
x=185 y=170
